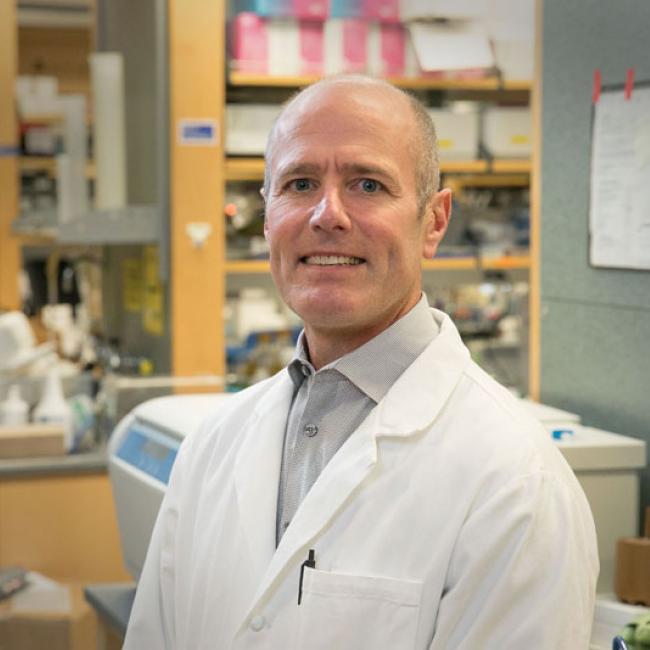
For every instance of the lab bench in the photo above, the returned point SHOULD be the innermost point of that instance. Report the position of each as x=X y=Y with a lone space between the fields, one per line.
x=89 y=461
x=113 y=603
x=58 y=518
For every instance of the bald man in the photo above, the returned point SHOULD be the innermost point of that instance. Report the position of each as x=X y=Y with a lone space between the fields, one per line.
x=381 y=492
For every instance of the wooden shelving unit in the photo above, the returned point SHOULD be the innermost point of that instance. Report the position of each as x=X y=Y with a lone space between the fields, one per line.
x=199 y=176
x=44 y=119
x=10 y=259
x=48 y=164
x=243 y=267
x=252 y=169
x=491 y=84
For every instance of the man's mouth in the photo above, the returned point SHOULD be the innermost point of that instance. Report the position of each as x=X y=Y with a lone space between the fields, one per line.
x=331 y=260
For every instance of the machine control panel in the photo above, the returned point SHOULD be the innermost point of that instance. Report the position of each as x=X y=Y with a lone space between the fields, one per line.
x=150 y=450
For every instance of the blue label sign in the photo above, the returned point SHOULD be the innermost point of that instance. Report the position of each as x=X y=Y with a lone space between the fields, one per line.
x=198 y=132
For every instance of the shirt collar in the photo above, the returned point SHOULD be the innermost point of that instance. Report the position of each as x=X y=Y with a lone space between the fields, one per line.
x=376 y=365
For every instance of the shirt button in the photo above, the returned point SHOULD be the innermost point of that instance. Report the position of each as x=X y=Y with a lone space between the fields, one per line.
x=311 y=430
x=257 y=623
x=305 y=371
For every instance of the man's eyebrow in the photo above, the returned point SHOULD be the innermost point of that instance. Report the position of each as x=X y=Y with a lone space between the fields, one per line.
x=362 y=168
x=298 y=168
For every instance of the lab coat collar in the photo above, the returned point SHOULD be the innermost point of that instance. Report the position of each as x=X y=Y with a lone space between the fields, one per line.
x=419 y=394
x=410 y=406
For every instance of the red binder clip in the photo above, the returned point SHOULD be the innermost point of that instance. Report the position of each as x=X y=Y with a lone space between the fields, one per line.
x=629 y=83
x=595 y=93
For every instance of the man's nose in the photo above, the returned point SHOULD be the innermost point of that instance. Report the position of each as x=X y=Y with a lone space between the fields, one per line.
x=329 y=213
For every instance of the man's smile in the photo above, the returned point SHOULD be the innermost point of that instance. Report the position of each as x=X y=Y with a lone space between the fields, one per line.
x=331 y=260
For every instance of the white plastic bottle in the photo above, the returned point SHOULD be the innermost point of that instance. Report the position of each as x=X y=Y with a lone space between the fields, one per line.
x=52 y=407
x=14 y=409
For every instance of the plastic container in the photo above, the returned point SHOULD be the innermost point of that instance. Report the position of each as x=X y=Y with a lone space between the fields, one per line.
x=14 y=410
x=52 y=407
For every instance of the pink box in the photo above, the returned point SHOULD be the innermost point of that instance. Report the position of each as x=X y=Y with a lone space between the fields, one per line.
x=249 y=43
x=311 y=47
x=355 y=37
x=311 y=9
x=382 y=10
x=393 y=49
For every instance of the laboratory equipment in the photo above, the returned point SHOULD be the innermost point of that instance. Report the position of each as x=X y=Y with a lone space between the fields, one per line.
x=144 y=446
x=52 y=407
x=142 y=450
x=607 y=466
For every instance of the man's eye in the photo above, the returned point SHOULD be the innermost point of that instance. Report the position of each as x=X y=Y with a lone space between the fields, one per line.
x=370 y=186
x=301 y=184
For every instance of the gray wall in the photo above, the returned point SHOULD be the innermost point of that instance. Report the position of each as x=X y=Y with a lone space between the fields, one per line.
x=595 y=331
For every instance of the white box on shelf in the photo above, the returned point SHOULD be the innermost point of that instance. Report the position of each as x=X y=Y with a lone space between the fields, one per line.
x=248 y=127
x=283 y=36
x=507 y=132
x=458 y=133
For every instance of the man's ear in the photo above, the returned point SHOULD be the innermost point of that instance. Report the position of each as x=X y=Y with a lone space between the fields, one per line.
x=263 y=195
x=437 y=215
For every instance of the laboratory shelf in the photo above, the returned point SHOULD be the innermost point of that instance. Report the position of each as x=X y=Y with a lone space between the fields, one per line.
x=91 y=461
x=511 y=166
x=469 y=263
x=244 y=169
x=134 y=224
x=42 y=119
x=252 y=169
x=492 y=84
x=48 y=164
x=36 y=226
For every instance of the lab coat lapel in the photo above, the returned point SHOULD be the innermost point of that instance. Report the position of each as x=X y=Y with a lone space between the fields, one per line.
x=256 y=473
x=343 y=474
x=410 y=406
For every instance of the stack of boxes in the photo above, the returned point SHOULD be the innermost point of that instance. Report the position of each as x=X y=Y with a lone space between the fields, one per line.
x=386 y=38
x=294 y=37
x=313 y=37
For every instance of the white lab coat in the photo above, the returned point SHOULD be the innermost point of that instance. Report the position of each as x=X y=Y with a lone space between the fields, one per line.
x=447 y=521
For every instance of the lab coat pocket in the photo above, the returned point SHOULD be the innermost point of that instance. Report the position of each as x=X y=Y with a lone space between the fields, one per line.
x=350 y=612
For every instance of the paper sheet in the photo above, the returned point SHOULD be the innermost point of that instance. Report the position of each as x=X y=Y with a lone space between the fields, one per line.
x=619 y=211
x=450 y=47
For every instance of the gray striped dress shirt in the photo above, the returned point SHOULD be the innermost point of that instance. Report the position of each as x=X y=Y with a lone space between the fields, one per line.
x=329 y=404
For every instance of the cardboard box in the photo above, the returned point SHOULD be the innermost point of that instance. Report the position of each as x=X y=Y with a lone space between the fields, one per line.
x=32 y=440
x=248 y=43
x=47 y=615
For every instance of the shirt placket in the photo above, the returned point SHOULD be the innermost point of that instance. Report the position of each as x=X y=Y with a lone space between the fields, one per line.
x=305 y=457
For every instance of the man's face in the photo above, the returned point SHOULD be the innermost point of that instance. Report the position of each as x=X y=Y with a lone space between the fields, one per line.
x=342 y=218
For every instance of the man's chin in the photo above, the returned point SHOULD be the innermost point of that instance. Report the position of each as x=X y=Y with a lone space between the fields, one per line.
x=332 y=314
